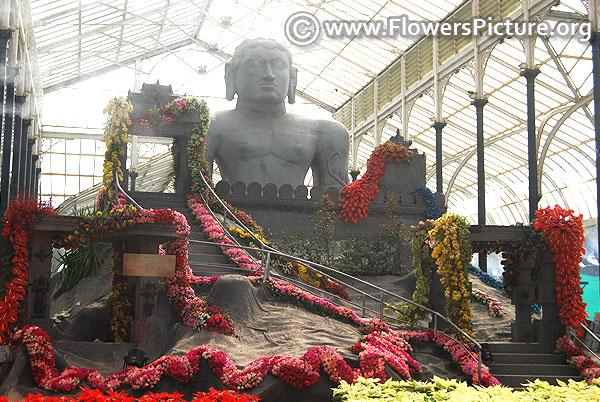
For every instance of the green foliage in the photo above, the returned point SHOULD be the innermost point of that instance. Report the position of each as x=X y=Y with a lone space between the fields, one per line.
x=80 y=263
x=322 y=235
x=453 y=391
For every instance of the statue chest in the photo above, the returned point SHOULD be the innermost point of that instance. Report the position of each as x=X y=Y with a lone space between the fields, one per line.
x=292 y=146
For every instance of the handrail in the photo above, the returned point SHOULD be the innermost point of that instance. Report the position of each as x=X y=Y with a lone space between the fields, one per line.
x=120 y=190
x=270 y=250
x=574 y=335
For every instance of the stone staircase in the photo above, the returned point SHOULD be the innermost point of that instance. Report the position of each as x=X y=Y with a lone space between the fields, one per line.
x=517 y=363
x=204 y=259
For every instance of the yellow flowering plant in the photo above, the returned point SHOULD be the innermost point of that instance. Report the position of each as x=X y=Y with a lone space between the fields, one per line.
x=452 y=253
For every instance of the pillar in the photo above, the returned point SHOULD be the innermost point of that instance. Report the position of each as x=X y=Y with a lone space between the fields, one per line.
x=532 y=151
x=5 y=35
x=595 y=40
x=479 y=103
x=438 y=126
x=25 y=152
x=5 y=195
x=18 y=149
x=29 y=165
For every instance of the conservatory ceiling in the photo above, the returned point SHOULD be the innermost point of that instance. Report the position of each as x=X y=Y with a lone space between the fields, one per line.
x=81 y=39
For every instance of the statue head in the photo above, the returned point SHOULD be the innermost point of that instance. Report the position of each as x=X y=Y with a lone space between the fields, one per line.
x=261 y=71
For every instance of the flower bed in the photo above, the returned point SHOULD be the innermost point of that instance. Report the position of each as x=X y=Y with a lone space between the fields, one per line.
x=493 y=304
x=366 y=390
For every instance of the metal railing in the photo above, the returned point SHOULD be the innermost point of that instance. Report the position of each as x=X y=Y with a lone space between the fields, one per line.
x=321 y=269
x=573 y=335
x=118 y=190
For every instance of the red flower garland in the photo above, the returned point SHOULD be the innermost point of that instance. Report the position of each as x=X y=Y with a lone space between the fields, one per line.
x=564 y=235
x=358 y=195
x=374 y=351
x=19 y=221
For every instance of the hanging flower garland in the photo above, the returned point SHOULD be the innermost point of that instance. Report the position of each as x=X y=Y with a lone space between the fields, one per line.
x=117 y=128
x=357 y=196
x=423 y=263
x=564 y=234
x=452 y=253
x=19 y=221
x=433 y=211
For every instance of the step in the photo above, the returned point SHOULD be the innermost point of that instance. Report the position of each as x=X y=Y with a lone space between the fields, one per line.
x=210 y=258
x=527 y=358
x=212 y=269
x=515 y=380
x=194 y=249
x=520 y=347
x=557 y=370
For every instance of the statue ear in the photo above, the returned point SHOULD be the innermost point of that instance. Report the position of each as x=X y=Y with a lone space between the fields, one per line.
x=293 y=82
x=229 y=81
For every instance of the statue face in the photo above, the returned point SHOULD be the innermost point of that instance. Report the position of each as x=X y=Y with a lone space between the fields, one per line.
x=262 y=75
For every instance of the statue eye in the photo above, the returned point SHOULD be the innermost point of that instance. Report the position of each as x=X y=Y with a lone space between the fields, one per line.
x=278 y=64
x=253 y=63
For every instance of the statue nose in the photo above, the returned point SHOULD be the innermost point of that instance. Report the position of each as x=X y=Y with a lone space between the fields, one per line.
x=268 y=72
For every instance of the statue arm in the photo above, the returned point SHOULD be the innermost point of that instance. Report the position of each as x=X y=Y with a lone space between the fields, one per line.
x=212 y=140
x=330 y=168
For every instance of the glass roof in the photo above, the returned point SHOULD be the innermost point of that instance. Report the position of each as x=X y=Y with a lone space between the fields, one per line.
x=186 y=42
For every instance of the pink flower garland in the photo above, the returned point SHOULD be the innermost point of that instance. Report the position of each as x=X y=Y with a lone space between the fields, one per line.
x=575 y=356
x=468 y=363
x=374 y=350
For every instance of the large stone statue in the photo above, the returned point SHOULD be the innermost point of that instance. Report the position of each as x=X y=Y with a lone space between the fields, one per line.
x=258 y=141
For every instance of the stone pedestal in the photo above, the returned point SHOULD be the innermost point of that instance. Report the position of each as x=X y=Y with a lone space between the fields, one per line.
x=523 y=297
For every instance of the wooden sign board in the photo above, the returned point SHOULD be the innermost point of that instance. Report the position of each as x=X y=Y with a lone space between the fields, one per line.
x=148 y=265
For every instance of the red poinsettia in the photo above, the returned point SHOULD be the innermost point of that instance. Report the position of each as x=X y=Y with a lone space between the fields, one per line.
x=19 y=221
x=357 y=196
x=564 y=234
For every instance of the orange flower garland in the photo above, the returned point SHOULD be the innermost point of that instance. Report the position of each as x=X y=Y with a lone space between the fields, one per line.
x=564 y=235
x=357 y=196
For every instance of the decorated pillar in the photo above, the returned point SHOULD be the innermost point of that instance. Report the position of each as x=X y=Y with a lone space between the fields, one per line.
x=479 y=103
x=530 y=74
x=523 y=297
x=29 y=165
x=438 y=126
x=550 y=327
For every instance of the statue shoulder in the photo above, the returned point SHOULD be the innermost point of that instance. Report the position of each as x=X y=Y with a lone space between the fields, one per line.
x=220 y=121
x=333 y=131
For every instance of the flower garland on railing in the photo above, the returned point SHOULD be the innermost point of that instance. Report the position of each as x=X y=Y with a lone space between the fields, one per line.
x=374 y=351
x=356 y=197
x=494 y=305
x=587 y=367
x=19 y=221
x=116 y=130
x=215 y=233
x=452 y=253
x=433 y=211
x=564 y=234
x=467 y=361
x=423 y=263
x=192 y=310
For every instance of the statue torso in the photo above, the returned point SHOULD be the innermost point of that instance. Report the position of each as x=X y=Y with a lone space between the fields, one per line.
x=277 y=149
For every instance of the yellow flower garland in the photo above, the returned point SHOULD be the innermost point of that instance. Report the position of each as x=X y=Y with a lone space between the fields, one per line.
x=452 y=253
x=116 y=131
